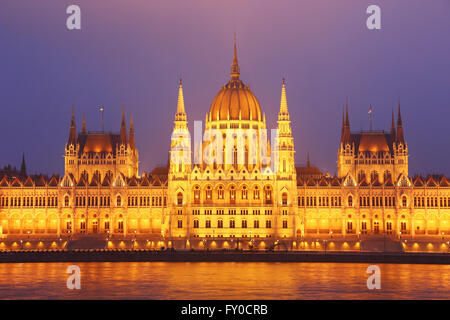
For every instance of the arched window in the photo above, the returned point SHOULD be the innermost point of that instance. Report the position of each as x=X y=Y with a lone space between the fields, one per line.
x=232 y=194
x=119 y=201
x=350 y=201
x=244 y=193
x=256 y=193
x=220 y=193
x=197 y=194
x=180 y=198
x=208 y=193
x=66 y=201
x=387 y=175
x=404 y=201
x=268 y=195
x=284 y=199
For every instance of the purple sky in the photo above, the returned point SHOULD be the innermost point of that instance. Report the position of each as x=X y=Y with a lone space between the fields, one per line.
x=133 y=52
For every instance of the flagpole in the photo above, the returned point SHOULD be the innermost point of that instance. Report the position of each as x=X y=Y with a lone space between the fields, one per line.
x=103 y=122
x=370 y=118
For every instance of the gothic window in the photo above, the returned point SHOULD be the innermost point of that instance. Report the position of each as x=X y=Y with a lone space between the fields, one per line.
x=244 y=193
x=350 y=201
x=232 y=224
x=268 y=195
x=256 y=193
x=285 y=224
x=196 y=194
x=219 y=223
x=220 y=193
x=196 y=223
x=119 y=201
x=180 y=224
x=180 y=199
x=404 y=201
x=208 y=193
x=66 y=201
x=232 y=194
x=284 y=199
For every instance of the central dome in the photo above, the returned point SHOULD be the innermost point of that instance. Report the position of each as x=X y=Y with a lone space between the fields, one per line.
x=235 y=101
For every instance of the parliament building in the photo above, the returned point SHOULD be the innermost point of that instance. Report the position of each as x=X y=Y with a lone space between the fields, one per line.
x=240 y=197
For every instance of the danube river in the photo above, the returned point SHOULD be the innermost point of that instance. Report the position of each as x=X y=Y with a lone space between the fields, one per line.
x=223 y=280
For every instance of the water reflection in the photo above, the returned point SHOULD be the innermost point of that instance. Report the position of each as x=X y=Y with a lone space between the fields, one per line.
x=233 y=280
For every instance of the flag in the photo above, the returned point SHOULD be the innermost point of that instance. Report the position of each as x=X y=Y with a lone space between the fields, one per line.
x=370 y=110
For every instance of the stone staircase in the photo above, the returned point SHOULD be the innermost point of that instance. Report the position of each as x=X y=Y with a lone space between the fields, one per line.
x=87 y=241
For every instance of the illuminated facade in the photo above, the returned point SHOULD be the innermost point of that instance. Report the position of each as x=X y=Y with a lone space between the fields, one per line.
x=102 y=191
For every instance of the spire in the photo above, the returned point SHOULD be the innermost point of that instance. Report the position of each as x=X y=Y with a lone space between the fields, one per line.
x=181 y=112
x=399 y=138
x=393 y=123
x=345 y=137
x=123 y=128
x=308 y=164
x=73 y=130
x=235 y=71
x=83 y=129
x=283 y=103
x=23 y=168
x=132 y=142
x=347 y=121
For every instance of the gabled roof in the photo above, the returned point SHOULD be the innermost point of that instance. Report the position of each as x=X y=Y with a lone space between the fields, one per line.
x=16 y=183
x=29 y=182
x=81 y=182
x=431 y=182
x=53 y=181
x=363 y=182
x=388 y=182
x=376 y=183
x=418 y=182
x=133 y=182
x=323 y=182
x=40 y=182
x=444 y=182
x=106 y=181
x=335 y=182
x=4 y=182
x=145 y=182
x=310 y=182
x=94 y=182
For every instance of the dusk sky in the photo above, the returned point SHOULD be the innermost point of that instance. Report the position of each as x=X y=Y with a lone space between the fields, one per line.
x=133 y=52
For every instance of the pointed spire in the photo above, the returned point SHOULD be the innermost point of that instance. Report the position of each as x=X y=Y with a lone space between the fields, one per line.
x=181 y=112
x=283 y=102
x=345 y=137
x=83 y=129
x=123 y=128
x=393 y=123
x=23 y=168
x=347 y=121
x=235 y=71
x=399 y=138
x=132 y=142
x=399 y=121
x=73 y=130
x=308 y=164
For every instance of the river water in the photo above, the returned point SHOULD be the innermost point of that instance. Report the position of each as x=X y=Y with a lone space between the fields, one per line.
x=223 y=280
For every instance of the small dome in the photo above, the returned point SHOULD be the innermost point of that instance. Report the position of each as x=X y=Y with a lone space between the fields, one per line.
x=235 y=98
